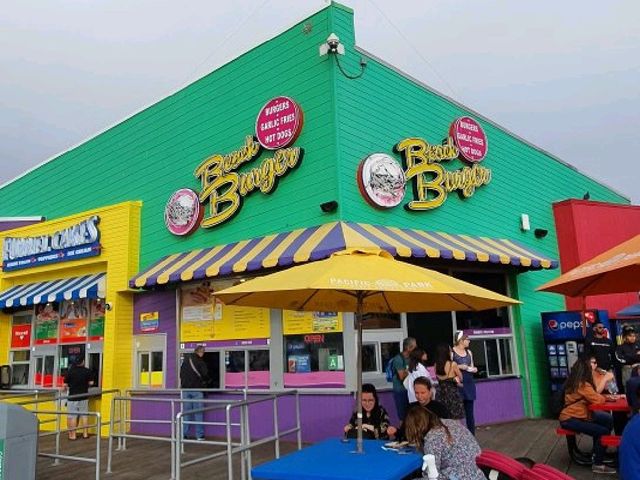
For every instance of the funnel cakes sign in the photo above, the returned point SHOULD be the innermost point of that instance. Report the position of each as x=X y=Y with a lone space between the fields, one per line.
x=382 y=180
x=223 y=187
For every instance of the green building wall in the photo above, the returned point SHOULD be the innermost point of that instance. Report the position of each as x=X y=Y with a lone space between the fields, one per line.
x=154 y=152
x=384 y=106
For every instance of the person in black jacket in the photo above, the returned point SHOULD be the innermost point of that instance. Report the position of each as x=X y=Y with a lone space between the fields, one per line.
x=194 y=375
x=628 y=354
x=600 y=346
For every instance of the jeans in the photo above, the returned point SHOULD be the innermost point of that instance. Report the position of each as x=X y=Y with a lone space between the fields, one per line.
x=600 y=424
x=470 y=418
x=195 y=417
x=402 y=403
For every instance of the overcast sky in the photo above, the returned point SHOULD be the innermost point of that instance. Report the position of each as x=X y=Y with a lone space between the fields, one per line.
x=564 y=75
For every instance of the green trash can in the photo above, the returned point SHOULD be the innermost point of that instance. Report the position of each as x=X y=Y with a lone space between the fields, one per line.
x=18 y=443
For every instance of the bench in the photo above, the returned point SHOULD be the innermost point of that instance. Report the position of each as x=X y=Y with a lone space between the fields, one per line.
x=610 y=440
x=577 y=456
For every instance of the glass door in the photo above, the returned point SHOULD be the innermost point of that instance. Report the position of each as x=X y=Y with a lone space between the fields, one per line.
x=44 y=371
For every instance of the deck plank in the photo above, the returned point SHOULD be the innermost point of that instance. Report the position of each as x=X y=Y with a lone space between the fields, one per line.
x=150 y=460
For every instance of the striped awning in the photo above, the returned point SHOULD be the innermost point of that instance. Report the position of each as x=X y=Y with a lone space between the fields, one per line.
x=88 y=286
x=319 y=242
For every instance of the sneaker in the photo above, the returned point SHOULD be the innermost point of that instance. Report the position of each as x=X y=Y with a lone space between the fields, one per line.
x=200 y=439
x=603 y=469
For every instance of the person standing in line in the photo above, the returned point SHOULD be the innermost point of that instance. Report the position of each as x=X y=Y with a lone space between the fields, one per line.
x=464 y=358
x=628 y=354
x=78 y=380
x=449 y=382
x=600 y=346
x=416 y=369
x=399 y=374
x=194 y=375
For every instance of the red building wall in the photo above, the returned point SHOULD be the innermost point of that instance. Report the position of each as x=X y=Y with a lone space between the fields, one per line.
x=586 y=229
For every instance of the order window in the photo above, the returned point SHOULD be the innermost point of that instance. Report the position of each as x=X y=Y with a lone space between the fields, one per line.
x=314 y=353
x=492 y=356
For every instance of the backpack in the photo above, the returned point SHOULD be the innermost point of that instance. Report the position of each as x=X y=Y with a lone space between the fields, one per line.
x=389 y=371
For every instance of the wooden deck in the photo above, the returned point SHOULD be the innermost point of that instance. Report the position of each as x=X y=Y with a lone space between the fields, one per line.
x=148 y=460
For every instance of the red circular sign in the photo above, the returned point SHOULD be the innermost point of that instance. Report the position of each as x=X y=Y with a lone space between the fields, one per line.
x=279 y=123
x=468 y=136
x=183 y=212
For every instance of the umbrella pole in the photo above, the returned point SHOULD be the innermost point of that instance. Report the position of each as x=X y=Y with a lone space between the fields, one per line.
x=359 y=443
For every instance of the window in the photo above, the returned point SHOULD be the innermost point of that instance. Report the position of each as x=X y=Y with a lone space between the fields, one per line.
x=238 y=376
x=492 y=356
x=20 y=368
x=150 y=369
x=378 y=347
x=314 y=353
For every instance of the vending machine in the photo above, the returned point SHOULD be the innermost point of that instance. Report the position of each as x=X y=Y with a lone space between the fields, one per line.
x=564 y=335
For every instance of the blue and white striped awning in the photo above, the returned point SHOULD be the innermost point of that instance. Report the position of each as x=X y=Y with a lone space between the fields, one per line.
x=88 y=286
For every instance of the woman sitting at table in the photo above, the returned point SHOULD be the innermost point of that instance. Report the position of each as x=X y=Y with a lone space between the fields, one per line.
x=582 y=389
x=375 y=419
x=454 y=447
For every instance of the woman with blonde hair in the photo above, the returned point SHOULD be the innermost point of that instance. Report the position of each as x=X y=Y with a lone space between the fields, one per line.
x=454 y=448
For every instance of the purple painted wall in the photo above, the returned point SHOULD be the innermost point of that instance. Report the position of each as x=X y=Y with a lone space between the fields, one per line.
x=499 y=401
x=8 y=225
x=163 y=302
x=324 y=416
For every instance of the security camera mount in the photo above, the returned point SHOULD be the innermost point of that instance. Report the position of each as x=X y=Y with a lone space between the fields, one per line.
x=332 y=45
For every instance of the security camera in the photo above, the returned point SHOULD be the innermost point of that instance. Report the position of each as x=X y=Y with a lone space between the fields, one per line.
x=108 y=306
x=333 y=41
x=332 y=45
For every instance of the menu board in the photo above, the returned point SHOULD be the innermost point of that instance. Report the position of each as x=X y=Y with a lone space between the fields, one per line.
x=74 y=316
x=297 y=323
x=203 y=317
x=47 y=319
x=96 y=324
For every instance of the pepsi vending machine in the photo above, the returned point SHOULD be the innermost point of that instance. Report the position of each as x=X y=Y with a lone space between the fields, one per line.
x=564 y=336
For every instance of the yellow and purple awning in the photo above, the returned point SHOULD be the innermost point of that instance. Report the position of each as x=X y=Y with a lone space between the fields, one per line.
x=319 y=242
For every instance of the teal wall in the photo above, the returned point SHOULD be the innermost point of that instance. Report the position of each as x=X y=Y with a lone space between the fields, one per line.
x=150 y=155
x=383 y=107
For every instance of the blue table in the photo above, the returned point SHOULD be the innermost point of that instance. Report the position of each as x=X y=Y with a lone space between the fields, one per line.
x=334 y=460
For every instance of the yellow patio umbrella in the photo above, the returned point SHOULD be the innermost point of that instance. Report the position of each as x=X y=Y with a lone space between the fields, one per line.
x=361 y=281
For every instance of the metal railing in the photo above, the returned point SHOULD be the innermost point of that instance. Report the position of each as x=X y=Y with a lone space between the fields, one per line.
x=59 y=413
x=245 y=445
x=76 y=458
x=179 y=408
x=121 y=430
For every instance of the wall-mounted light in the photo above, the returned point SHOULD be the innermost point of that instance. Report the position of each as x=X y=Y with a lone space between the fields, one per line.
x=540 y=232
x=525 y=225
x=328 y=207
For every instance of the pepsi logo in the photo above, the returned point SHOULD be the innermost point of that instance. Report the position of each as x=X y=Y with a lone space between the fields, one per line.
x=554 y=325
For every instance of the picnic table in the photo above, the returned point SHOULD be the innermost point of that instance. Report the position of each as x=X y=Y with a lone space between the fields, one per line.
x=334 y=459
x=619 y=408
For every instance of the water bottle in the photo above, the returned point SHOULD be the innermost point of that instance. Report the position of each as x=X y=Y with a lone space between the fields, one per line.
x=612 y=386
x=429 y=466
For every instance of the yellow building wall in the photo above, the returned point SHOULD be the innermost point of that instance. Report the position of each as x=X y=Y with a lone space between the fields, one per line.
x=120 y=241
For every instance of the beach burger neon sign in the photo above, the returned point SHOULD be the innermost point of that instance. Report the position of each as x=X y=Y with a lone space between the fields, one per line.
x=223 y=188
x=423 y=166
